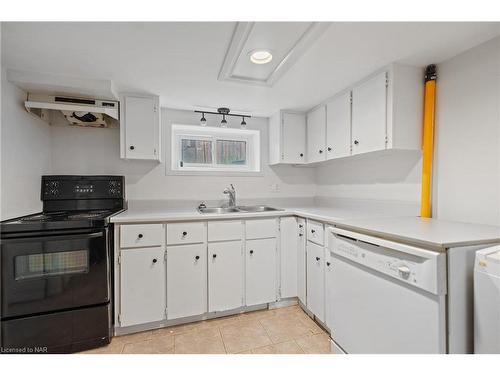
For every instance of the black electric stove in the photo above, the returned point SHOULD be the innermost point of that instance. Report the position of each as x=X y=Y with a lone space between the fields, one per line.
x=56 y=268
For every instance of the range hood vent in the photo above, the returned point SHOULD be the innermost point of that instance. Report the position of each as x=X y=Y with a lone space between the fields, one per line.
x=85 y=112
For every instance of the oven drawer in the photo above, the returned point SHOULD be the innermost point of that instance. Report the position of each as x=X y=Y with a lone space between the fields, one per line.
x=186 y=233
x=315 y=232
x=142 y=235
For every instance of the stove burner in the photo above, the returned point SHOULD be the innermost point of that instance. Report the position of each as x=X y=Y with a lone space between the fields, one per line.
x=43 y=216
x=87 y=215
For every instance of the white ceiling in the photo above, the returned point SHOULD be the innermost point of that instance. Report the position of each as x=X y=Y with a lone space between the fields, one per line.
x=180 y=61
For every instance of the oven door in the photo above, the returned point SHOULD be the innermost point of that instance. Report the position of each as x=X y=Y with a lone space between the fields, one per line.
x=53 y=273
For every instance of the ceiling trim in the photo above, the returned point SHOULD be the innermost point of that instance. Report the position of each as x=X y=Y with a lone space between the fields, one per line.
x=239 y=38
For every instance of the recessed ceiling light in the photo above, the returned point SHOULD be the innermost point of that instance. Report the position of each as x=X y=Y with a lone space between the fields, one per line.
x=260 y=56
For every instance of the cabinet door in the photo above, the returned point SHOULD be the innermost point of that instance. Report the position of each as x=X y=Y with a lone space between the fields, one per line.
x=328 y=288
x=225 y=276
x=316 y=280
x=338 y=127
x=186 y=280
x=293 y=138
x=140 y=123
x=369 y=115
x=288 y=257
x=260 y=271
x=316 y=135
x=142 y=286
x=301 y=260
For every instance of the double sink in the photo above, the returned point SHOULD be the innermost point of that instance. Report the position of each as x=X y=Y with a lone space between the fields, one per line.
x=236 y=209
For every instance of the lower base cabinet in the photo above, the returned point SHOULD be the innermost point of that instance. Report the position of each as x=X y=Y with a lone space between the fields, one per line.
x=260 y=271
x=328 y=288
x=225 y=275
x=316 y=280
x=142 y=285
x=301 y=261
x=186 y=280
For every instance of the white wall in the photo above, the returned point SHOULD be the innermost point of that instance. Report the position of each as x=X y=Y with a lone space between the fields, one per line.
x=392 y=177
x=467 y=158
x=25 y=154
x=85 y=151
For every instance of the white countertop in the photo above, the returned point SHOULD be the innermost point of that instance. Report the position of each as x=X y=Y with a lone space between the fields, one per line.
x=429 y=233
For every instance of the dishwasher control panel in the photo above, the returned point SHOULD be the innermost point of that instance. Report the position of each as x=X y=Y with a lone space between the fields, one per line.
x=425 y=271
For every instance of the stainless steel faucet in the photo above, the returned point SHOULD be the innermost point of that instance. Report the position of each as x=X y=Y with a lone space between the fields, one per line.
x=232 y=195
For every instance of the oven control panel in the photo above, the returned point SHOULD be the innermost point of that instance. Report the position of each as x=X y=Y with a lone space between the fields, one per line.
x=82 y=187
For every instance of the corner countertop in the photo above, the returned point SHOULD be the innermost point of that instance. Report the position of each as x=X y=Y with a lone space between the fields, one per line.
x=433 y=234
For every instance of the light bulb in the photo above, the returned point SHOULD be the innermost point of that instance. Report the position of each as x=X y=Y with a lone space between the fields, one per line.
x=203 y=120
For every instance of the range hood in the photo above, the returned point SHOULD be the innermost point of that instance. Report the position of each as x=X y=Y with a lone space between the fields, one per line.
x=77 y=111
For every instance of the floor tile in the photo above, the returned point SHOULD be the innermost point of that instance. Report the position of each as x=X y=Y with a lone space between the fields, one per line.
x=282 y=329
x=244 y=335
x=257 y=315
x=317 y=344
x=178 y=329
x=132 y=338
x=288 y=347
x=157 y=345
x=115 y=347
x=201 y=341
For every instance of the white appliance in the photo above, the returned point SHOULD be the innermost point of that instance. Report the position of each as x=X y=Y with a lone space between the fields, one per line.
x=385 y=297
x=487 y=301
x=86 y=112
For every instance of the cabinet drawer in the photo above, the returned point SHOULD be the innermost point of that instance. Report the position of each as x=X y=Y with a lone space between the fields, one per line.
x=260 y=228
x=225 y=230
x=184 y=233
x=141 y=235
x=315 y=232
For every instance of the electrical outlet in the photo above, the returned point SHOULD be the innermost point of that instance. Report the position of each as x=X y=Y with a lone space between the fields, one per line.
x=274 y=188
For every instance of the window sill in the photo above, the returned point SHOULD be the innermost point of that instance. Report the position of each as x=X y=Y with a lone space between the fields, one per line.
x=214 y=173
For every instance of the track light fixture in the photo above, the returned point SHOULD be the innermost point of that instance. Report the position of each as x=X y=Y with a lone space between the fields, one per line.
x=223 y=112
x=203 y=120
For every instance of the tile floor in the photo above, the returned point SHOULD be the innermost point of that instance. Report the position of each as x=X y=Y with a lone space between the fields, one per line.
x=280 y=331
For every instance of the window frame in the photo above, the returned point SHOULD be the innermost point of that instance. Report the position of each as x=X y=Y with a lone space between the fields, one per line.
x=251 y=137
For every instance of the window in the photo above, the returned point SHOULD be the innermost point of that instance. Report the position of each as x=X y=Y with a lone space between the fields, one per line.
x=196 y=148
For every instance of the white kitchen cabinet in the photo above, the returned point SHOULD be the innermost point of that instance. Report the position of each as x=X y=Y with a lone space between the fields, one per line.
x=225 y=230
x=369 y=115
x=225 y=275
x=186 y=280
x=287 y=138
x=316 y=280
x=260 y=271
x=338 y=126
x=288 y=256
x=301 y=260
x=316 y=135
x=387 y=110
x=140 y=127
x=315 y=232
x=142 y=286
x=328 y=288
x=142 y=235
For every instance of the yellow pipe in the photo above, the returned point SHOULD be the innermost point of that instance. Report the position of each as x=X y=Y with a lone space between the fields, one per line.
x=428 y=140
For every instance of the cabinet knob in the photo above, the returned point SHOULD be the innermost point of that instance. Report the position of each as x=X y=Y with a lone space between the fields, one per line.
x=197 y=257
x=328 y=264
x=329 y=149
x=132 y=147
x=301 y=155
x=214 y=256
x=300 y=234
x=184 y=233
x=251 y=251
x=317 y=258
x=356 y=142
x=320 y=151
x=313 y=231
x=155 y=260
x=140 y=235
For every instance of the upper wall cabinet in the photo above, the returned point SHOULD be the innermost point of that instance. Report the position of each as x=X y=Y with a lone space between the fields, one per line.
x=338 y=126
x=316 y=135
x=287 y=138
x=140 y=127
x=387 y=110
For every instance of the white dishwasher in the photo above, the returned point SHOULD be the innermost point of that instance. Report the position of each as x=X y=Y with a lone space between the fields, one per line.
x=385 y=297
